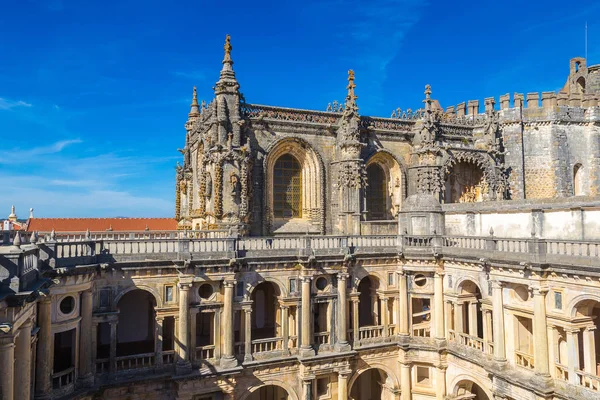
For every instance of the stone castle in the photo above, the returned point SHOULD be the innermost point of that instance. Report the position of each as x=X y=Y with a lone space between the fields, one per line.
x=436 y=254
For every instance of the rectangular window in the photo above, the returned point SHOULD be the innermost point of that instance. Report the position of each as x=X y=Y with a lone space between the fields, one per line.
x=293 y=288
x=168 y=294
x=391 y=279
x=239 y=289
x=323 y=388
x=558 y=300
x=423 y=376
x=104 y=301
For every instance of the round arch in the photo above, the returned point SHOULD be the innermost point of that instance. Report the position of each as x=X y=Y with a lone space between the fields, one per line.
x=280 y=286
x=270 y=382
x=375 y=365
x=455 y=384
x=313 y=182
x=395 y=173
x=577 y=300
x=460 y=283
x=150 y=289
x=495 y=183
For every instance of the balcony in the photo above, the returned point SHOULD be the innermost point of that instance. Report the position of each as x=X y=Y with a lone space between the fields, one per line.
x=524 y=360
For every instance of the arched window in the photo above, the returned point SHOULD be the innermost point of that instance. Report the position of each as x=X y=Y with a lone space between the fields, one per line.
x=577 y=180
x=581 y=85
x=376 y=192
x=287 y=188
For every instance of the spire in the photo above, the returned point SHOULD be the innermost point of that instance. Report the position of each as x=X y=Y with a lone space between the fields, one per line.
x=351 y=97
x=195 y=110
x=12 y=217
x=227 y=48
x=427 y=100
x=227 y=70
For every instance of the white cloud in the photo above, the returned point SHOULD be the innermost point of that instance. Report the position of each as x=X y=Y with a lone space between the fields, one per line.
x=7 y=104
x=26 y=156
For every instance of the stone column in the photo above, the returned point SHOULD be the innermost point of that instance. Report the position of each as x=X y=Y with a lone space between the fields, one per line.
x=486 y=331
x=113 y=346
x=473 y=318
x=285 y=327
x=573 y=354
x=343 y=384
x=248 y=334
x=384 y=316
x=342 y=324
x=405 y=382
x=540 y=331
x=183 y=334
x=94 y=346
x=403 y=305
x=307 y=388
x=43 y=370
x=306 y=349
x=355 y=326
x=448 y=323
x=375 y=303
x=85 y=339
x=458 y=319
x=7 y=361
x=158 y=339
x=228 y=359
x=438 y=309
x=440 y=383
x=23 y=362
x=498 y=318
x=589 y=350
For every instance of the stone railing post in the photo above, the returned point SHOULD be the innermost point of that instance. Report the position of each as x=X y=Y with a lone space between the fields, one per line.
x=537 y=250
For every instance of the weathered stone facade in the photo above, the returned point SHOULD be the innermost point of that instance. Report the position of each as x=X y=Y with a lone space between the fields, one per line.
x=320 y=257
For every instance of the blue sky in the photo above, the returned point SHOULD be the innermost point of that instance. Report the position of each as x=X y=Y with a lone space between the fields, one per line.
x=94 y=94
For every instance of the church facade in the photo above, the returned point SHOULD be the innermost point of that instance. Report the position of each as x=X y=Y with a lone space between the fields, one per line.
x=436 y=254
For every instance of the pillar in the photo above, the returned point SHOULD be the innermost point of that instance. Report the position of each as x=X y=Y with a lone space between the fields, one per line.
x=113 y=346
x=306 y=347
x=355 y=327
x=487 y=334
x=183 y=336
x=573 y=354
x=94 y=346
x=158 y=339
x=473 y=318
x=403 y=305
x=438 y=309
x=342 y=323
x=540 y=331
x=7 y=361
x=405 y=382
x=440 y=383
x=248 y=334
x=285 y=327
x=85 y=339
x=43 y=370
x=23 y=362
x=498 y=319
x=589 y=350
x=228 y=357
x=458 y=318
x=448 y=323
x=384 y=316
x=343 y=384
x=307 y=388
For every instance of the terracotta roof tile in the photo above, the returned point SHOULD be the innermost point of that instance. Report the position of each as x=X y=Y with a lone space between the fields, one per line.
x=100 y=224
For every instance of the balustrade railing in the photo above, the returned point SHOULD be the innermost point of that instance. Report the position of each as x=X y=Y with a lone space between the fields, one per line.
x=321 y=338
x=63 y=378
x=391 y=330
x=168 y=357
x=102 y=366
x=422 y=330
x=508 y=245
x=524 y=360
x=205 y=352
x=573 y=248
x=465 y=242
x=561 y=372
x=370 y=332
x=239 y=348
x=138 y=361
x=471 y=341
x=588 y=381
x=266 y=345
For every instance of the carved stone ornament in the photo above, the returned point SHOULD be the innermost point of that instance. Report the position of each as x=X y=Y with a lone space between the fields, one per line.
x=352 y=175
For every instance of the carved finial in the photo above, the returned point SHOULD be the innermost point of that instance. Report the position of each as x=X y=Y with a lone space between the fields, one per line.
x=491 y=231
x=33 y=238
x=31 y=213
x=351 y=96
x=12 y=216
x=195 y=110
x=427 y=92
x=17 y=239
x=88 y=235
x=227 y=48
x=53 y=234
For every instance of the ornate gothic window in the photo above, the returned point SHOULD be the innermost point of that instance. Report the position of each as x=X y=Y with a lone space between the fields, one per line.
x=287 y=188
x=376 y=193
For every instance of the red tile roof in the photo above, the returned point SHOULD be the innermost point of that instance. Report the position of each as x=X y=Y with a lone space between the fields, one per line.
x=100 y=224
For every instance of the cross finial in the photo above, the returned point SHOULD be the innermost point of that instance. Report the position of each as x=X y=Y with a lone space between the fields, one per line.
x=227 y=48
